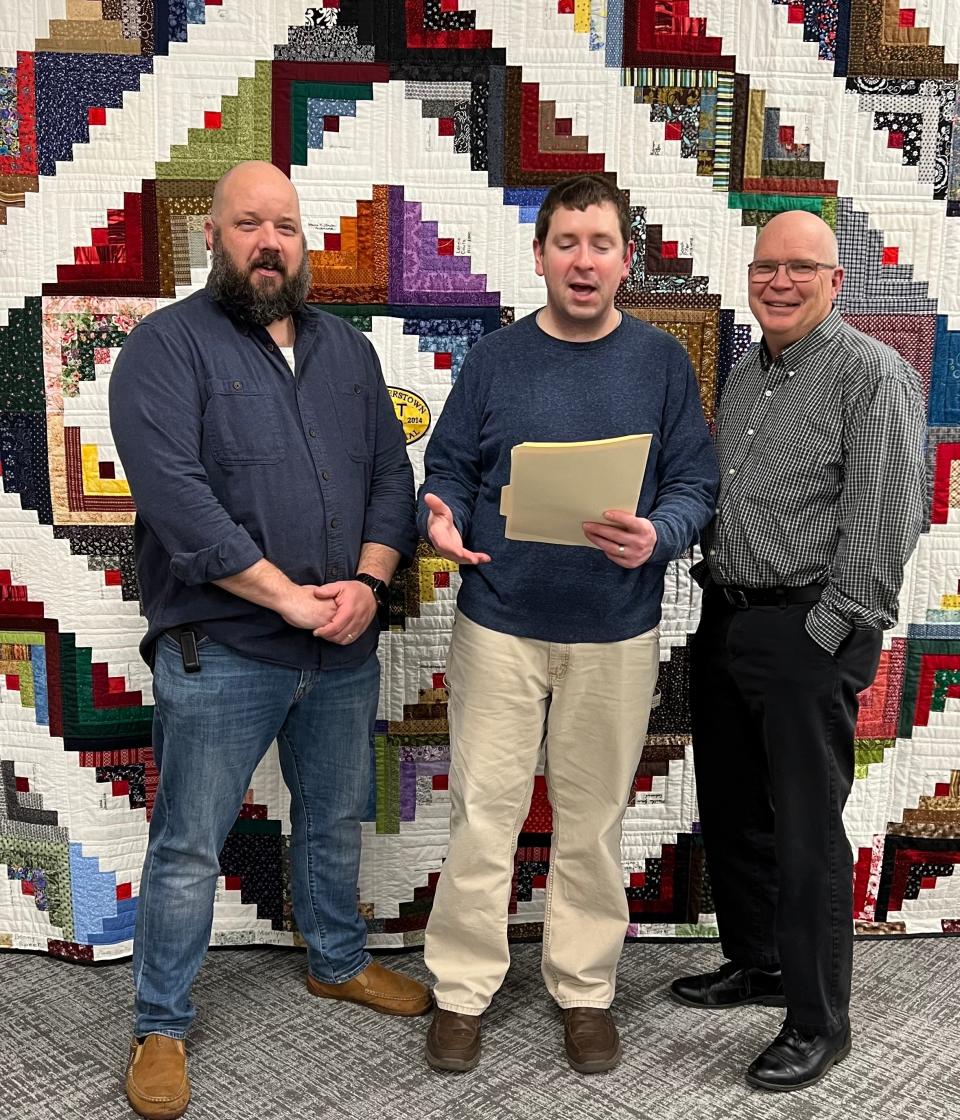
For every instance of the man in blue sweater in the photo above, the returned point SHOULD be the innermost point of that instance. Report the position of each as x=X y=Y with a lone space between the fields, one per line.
x=554 y=645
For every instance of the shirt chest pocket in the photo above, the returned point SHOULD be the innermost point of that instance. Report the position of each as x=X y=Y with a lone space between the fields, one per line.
x=242 y=423
x=352 y=403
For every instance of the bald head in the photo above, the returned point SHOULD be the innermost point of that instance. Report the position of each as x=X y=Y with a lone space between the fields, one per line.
x=253 y=177
x=795 y=243
x=801 y=228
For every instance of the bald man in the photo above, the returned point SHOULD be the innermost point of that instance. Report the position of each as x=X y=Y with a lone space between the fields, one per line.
x=274 y=502
x=820 y=436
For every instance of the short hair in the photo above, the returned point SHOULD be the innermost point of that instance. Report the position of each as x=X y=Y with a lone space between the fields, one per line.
x=579 y=192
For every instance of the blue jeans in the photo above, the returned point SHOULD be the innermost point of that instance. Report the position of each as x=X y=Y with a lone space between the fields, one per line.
x=210 y=730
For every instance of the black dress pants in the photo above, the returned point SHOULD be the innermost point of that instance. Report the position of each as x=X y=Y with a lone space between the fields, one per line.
x=773 y=731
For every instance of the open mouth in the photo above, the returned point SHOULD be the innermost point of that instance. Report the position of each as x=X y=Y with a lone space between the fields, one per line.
x=582 y=291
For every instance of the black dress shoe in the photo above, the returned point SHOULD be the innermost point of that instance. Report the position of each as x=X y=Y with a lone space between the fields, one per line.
x=731 y=985
x=795 y=1060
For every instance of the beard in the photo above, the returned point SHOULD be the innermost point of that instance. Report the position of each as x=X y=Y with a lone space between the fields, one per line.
x=260 y=303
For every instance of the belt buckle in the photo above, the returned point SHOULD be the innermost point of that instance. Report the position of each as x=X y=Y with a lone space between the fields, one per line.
x=736 y=597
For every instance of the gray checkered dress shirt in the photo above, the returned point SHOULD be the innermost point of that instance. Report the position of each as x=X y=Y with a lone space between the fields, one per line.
x=822 y=476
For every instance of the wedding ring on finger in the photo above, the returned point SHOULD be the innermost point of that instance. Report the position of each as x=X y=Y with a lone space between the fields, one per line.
x=620 y=550
x=350 y=637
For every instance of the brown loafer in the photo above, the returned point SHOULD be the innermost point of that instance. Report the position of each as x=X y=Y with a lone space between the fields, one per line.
x=453 y=1041
x=157 y=1083
x=590 y=1039
x=381 y=989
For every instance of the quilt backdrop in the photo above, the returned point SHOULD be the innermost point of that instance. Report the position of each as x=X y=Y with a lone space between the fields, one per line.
x=422 y=135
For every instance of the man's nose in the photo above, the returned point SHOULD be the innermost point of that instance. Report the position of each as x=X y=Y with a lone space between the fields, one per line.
x=269 y=238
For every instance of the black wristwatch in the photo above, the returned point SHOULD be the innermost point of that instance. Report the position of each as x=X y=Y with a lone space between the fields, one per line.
x=377 y=586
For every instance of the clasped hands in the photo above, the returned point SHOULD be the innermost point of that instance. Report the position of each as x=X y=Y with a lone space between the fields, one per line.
x=338 y=612
x=626 y=540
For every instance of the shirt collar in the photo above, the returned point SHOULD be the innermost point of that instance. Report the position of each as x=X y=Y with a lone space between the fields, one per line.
x=798 y=352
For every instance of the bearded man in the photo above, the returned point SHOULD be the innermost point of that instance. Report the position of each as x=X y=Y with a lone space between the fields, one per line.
x=274 y=502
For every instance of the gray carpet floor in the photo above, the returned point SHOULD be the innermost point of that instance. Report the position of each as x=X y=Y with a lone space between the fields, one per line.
x=263 y=1049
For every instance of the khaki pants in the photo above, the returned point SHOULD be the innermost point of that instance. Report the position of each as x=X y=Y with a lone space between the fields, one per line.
x=589 y=702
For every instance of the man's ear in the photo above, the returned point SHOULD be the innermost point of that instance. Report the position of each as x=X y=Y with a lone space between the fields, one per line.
x=208 y=232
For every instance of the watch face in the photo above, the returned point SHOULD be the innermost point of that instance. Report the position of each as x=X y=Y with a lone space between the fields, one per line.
x=377 y=586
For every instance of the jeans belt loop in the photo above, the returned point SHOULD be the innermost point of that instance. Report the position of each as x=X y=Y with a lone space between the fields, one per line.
x=736 y=597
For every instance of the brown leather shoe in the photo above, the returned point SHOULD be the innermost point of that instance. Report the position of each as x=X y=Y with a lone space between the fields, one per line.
x=590 y=1039
x=157 y=1083
x=381 y=989
x=453 y=1041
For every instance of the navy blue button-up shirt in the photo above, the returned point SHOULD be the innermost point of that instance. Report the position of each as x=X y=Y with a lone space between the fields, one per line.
x=231 y=458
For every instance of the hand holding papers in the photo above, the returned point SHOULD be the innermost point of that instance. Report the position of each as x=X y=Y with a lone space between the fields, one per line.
x=555 y=487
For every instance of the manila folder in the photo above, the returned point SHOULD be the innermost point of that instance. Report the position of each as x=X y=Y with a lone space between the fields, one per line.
x=555 y=487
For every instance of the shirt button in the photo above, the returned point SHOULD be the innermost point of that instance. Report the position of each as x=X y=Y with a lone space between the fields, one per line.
x=313 y=433
x=791 y=373
x=334 y=523
x=238 y=385
x=271 y=347
x=713 y=552
x=325 y=475
x=768 y=392
x=717 y=511
x=732 y=470
x=750 y=431
x=356 y=388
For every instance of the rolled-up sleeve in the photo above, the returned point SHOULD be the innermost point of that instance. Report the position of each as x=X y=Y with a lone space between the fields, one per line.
x=156 y=419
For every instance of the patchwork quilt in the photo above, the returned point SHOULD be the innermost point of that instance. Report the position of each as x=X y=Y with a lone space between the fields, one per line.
x=422 y=135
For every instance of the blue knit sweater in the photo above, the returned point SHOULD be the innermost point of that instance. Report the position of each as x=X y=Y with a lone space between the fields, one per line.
x=520 y=384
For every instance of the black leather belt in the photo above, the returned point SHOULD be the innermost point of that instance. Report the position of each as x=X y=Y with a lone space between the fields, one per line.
x=745 y=597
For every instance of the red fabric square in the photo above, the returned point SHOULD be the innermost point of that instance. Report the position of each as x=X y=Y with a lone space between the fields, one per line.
x=673 y=130
x=443 y=360
x=212 y=120
x=638 y=878
x=786 y=135
x=213 y=3
x=644 y=783
x=439 y=680
x=908 y=17
x=96 y=115
x=895 y=140
x=4 y=577
x=120 y=788
x=112 y=578
x=26 y=886
x=891 y=255
x=942 y=789
x=539 y=882
x=331 y=124
x=233 y=882
x=124 y=890
x=928 y=882
x=23 y=784
x=563 y=126
x=106 y=470
x=331 y=3
x=445 y=126
x=13 y=684
x=670 y=250
x=795 y=13
x=444 y=246
x=440 y=781
x=331 y=242
x=441 y=579
x=448 y=5
x=566 y=7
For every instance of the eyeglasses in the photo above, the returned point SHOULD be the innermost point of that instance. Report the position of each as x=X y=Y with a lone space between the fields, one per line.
x=763 y=271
